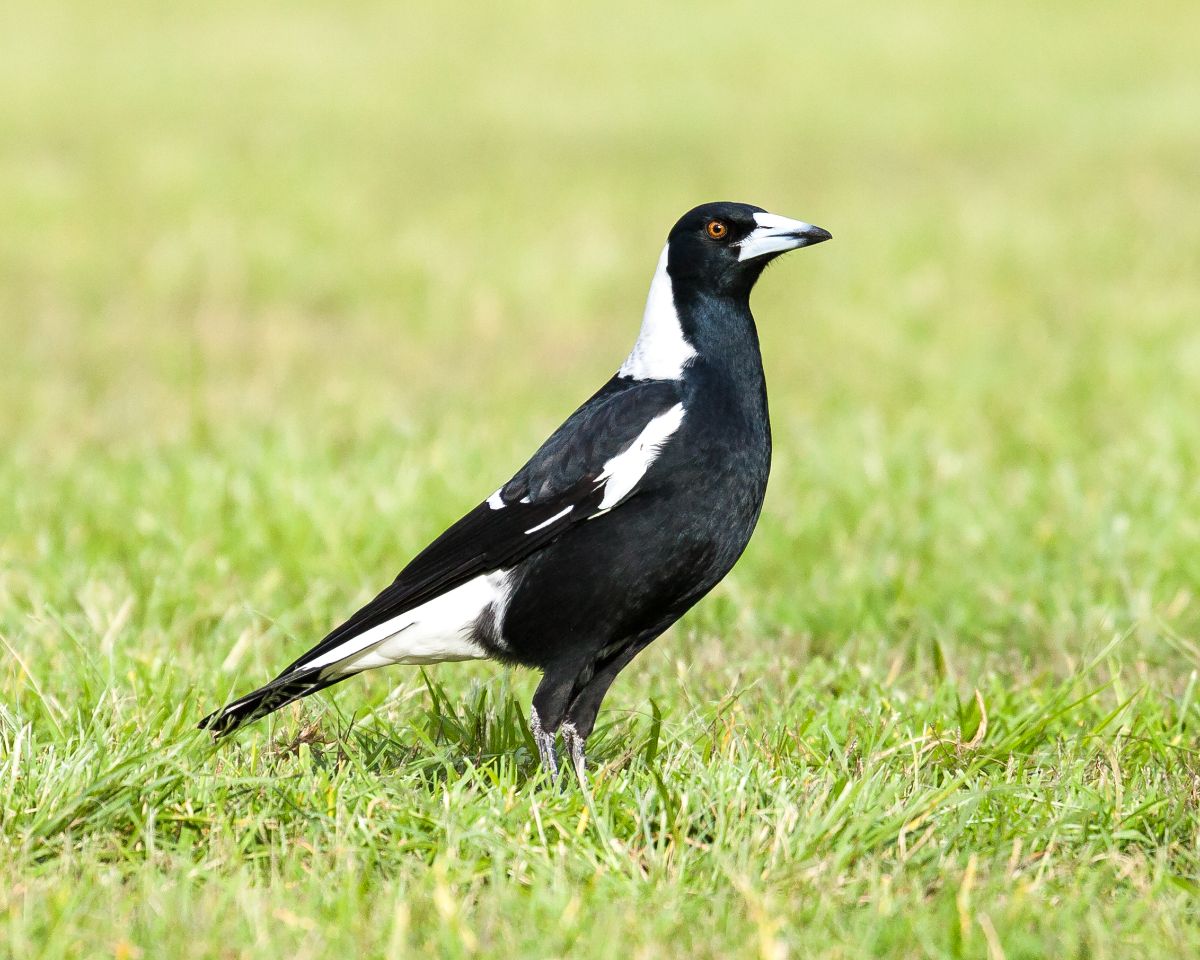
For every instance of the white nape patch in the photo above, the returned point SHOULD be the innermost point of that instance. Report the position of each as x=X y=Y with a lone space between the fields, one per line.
x=439 y=630
x=661 y=351
x=495 y=502
x=545 y=523
x=773 y=235
x=622 y=473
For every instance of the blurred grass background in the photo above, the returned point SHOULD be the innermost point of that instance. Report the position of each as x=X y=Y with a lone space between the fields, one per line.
x=286 y=287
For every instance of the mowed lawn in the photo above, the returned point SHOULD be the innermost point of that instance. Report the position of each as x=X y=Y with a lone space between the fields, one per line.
x=284 y=288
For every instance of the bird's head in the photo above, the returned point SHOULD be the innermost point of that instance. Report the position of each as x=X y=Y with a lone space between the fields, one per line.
x=722 y=248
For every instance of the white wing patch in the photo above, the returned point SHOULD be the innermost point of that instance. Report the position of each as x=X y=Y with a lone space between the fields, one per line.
x=661 y=351
x=443 y=628
x=439 y=630
x=545 y=523
x=622 y=473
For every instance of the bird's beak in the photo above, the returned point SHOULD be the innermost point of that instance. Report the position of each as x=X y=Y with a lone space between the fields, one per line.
x=775 y=234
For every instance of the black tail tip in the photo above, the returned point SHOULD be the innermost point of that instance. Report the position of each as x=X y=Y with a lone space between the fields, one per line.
x=218 y=723
x=267 y=699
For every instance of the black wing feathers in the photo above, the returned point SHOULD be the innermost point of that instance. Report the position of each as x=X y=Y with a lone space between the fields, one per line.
x=562 y=474
x=604 y=426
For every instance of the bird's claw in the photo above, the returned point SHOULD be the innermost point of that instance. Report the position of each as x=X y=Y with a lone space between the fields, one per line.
x=575 y=744
x=545 y=744
x=548 y=749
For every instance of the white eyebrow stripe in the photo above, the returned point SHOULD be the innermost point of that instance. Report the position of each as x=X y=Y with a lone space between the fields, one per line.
x=545 y=523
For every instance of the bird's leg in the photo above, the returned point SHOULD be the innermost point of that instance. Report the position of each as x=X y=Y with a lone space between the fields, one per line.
x=585 y=702
x=549 y=709
x=575 y=744
x=545 y=743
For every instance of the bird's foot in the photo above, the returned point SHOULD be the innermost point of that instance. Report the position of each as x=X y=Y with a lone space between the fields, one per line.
x=545 y=743
x=575 y=744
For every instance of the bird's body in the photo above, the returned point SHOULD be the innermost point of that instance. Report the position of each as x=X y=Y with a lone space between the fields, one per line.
x=627 y=515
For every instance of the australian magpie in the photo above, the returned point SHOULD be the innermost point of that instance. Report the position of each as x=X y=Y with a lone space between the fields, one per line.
x=627 y=515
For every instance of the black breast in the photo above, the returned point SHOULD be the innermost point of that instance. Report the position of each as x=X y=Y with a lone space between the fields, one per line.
x=639 y=568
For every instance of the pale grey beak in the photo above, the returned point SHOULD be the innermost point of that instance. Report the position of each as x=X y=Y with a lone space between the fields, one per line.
x=775 y=234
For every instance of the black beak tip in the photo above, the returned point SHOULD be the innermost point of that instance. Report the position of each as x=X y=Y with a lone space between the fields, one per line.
x=816 y=235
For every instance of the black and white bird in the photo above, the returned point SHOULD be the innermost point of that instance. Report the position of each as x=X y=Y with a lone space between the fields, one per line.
x=627 y=515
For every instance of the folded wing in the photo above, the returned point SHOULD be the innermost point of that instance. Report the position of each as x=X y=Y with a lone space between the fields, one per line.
x=589 y=466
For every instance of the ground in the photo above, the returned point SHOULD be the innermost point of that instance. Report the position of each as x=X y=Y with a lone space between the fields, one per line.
x=285 y=288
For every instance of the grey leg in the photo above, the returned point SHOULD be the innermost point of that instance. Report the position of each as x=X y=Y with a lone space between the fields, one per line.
x=575 y=748
x=545 y=743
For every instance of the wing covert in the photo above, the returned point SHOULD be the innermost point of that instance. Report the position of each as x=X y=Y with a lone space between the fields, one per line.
x=590 y=465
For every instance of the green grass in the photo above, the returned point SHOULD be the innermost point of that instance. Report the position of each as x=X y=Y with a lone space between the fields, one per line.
x=286 y=287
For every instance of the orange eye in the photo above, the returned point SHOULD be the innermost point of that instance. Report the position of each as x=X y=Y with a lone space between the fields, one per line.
x=716 y=229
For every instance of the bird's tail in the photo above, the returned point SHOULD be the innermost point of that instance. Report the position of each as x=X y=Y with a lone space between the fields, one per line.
x=287 y=688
